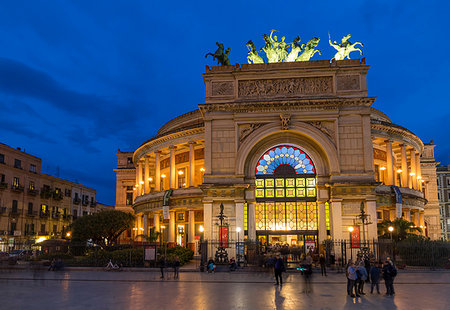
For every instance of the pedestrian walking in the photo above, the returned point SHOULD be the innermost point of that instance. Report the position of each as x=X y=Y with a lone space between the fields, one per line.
x=323 y=267
x=389 y=273
x=162 y=265
x=306 y=267
x=351 y=276
x=176 y=267
x=361 y=274
x=375 y=278
x=279 y=268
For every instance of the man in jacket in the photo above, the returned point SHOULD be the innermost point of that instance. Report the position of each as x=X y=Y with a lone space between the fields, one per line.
x=279 y=268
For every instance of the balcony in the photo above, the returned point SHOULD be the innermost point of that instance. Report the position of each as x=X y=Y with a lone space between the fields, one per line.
x=46 y=193
x=85 y=202
x=15 y=212
x=17 y=188
x=32 y=192
x=32 y=213
x=55 y=215
x=44 y=214
x=57 y=195
x=76 y=201
x=3 y=185
x=30 y=233
x=93 y=204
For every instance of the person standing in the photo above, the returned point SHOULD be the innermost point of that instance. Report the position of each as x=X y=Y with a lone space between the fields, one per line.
x=323 y=267
x=176 y=267
x=389 y=272
x=351 y=276
x=375 y=278
x=162 y=265
x=361 y=274
x=278 y=269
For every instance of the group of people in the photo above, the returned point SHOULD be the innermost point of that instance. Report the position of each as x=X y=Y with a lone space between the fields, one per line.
x=362 y=271
x=175 y=264
x=211 y=265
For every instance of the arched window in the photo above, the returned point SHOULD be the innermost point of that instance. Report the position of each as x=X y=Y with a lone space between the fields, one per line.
x=286 y=191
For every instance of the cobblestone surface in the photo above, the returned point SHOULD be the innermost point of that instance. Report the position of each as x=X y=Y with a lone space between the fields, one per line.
x=145 y=290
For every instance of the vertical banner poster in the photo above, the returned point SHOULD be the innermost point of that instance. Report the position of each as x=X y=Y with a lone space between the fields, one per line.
x=240 y=248
x=224 y=234
x=355 y=240
x=150 y=252
x=166 y=212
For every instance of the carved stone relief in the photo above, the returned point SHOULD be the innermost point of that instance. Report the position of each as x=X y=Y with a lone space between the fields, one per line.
x=326 y=127
x=246 y=129
x=222 y=88
x=348 y=82
x=285 y=121
x=286 y=87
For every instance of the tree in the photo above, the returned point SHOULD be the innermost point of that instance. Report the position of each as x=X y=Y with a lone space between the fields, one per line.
x=102 y=228
x=402 y=229
x=152 y=236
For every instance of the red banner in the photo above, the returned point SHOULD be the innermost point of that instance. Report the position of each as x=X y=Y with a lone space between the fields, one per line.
x=356 y=242
x=224 y=234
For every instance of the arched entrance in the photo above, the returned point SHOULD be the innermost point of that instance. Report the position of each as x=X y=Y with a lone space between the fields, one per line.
x=286 y=197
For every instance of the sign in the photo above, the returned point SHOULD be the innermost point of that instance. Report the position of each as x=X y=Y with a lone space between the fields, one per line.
x=354 y=237
x=240 y=248
x=17 y=233
x=398 y=201
x=310 y=245
x=166 y=212
x=150 y=252
x=224 y=234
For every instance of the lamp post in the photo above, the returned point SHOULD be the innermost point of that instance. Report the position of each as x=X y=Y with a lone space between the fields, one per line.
x=350 y=230
x=391 y=229
x=238 y=256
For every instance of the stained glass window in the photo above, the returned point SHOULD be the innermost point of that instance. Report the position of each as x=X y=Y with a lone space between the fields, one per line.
x=285 y=155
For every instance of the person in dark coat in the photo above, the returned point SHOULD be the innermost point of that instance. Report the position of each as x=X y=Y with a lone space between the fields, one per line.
x=375 y=278
x=323 y=267
x=176 y=267
x=279 y=268
x=389 y=274
x=162 y=265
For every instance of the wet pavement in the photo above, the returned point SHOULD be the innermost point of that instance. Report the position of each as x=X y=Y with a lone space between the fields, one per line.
x=40 y=289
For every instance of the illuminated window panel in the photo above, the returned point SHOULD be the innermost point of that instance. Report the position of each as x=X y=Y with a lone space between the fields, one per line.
x=279 y=182
x=259 y=193
x=327 y=215
x=311 y=192
x=270 y=192
x=280 y=192
x=290 y=182
x=301 y=216
x=290 y=192
x=300 y=182
x=269 y=182
x=259 y=216
x=270 y=215
x=281 y=216
x=259 y=182
x=310 y=182
x=245 y=216
x=312 y=216
x=290 y=216
x=301 y=192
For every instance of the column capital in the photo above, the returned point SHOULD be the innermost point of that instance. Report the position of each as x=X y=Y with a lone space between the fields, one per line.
x=192 y=142
x=389 y=141
x=172 y=147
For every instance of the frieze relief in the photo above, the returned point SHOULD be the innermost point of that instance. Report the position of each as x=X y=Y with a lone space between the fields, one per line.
x=348 y=82
x=246 y=129
x=222 y=89
x=286 y=87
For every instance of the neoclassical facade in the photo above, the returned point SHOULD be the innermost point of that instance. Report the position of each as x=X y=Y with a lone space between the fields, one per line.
x=292 y=151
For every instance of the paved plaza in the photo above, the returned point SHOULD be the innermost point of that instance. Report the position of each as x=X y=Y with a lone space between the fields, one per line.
x=25 y=289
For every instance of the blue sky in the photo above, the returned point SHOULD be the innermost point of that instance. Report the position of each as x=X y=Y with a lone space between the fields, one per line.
x=81 y=79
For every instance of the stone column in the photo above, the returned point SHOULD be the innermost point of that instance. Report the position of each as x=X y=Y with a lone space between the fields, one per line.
x=336 y=219
x=413 y=170
x=145 y=224
x=251 y=225
x=371 y=206
x=146 y=176
x=239 y=208
x=390 y=164
x=405 y=172
x=138 y=225
x=156 y=224
x=207 y=221
x=191 y=232
x=407 y=214
x=418 y=172
x=422 y=222
x=172 y=232
x=172 y=175
x=157 y=172
x=140 y=178
x=191 y=164
x=322 y=223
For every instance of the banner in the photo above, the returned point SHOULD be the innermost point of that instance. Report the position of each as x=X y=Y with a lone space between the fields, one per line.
x=354 y=236
x=240 y=248
x=224 y=234
x=166 y=212
x=398 y=202
x=150 y=252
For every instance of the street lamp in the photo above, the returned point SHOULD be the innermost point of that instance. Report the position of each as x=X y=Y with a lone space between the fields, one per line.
x=350 y=228
x=238 y=230
x=391 y=229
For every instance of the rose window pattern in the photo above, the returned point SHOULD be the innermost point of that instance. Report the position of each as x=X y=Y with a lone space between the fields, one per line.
x=285 y=155
x=285 y=191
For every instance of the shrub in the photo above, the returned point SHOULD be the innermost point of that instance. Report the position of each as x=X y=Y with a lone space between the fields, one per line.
x=183 y=254
x=63 y=256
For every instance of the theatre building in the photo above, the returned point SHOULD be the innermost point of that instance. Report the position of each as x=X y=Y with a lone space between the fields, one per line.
x=292 y=151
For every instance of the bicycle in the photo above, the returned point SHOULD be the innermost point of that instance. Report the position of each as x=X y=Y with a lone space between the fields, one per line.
x=112 y=267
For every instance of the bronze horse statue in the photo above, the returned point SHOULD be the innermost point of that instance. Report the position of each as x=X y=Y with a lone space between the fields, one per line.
x=220 y=55
x=253 y=56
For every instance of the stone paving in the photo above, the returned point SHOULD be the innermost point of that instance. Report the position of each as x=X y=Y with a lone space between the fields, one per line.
x=39 y=289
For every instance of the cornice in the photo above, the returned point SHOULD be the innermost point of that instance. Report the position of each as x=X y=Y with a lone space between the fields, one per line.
x=392 y=129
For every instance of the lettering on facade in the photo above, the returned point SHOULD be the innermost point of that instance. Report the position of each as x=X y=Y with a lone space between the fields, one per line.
x=379 y=154
x=286 y=87
x=351 y=208
x=348 y=82
x=183 y=158
x=222 y=88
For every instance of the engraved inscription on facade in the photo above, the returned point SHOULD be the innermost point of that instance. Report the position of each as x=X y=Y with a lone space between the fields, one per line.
x=222 y=88
x=348 y=82
x=286 y=87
